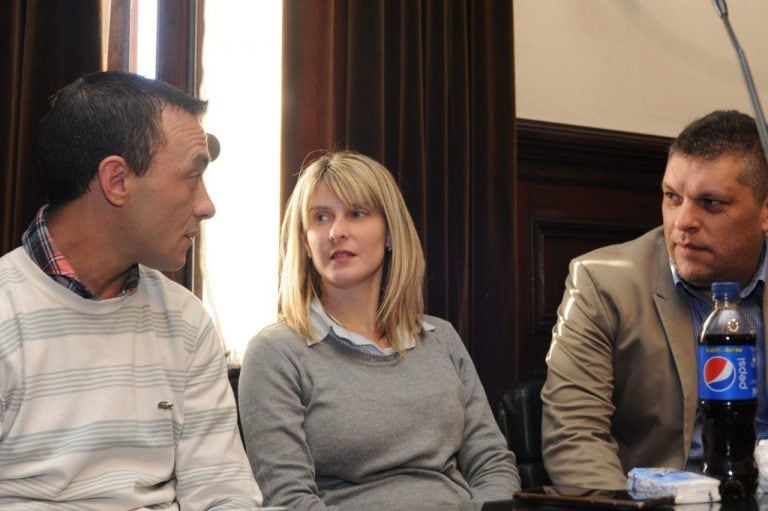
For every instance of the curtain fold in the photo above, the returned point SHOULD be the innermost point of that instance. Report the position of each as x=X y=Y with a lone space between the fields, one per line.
x=118 y=23
x=44 y=44
x=180 y=32
x=427 y=88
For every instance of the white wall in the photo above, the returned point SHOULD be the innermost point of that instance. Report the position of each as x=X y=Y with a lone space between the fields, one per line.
x=645 y=66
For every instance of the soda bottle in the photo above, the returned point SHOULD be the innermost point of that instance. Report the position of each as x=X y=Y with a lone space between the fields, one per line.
x=728 y=394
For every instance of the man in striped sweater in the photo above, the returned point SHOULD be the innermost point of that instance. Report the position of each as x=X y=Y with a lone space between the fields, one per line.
x=113 y=389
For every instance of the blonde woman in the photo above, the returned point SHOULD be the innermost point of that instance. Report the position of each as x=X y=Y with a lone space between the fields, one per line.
x=355 y=399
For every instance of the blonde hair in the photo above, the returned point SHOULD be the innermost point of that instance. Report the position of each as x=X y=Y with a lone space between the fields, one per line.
x=356 y=180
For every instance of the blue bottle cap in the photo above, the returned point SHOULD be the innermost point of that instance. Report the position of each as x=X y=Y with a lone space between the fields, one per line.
x=723 y=290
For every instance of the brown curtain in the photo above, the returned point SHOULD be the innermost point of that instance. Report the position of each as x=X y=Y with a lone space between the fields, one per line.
x=44 y=44
x=180 y=30
x=426 y=87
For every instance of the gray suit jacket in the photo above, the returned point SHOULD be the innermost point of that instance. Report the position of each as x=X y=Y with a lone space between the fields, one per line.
x=621 y=388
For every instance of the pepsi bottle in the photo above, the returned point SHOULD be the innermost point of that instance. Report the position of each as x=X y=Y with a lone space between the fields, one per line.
x=728 y=394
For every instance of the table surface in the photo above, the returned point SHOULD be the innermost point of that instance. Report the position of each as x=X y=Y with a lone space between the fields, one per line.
x=754 y=504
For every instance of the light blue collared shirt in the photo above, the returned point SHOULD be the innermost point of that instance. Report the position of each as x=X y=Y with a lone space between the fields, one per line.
x=325 y=324
x=751 y=304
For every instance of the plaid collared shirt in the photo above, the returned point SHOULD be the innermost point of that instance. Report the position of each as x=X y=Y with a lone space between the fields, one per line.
x=40 y=247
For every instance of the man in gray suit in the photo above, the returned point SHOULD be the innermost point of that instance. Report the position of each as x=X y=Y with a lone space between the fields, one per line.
x=621 y=389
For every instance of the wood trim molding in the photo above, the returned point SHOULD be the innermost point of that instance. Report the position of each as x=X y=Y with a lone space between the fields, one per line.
x=570 y=154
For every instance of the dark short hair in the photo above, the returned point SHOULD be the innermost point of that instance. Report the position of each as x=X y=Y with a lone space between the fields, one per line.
x=102 y=114
x=727 y=132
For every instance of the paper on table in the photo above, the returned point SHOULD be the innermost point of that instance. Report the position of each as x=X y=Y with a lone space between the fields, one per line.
x=687 y=487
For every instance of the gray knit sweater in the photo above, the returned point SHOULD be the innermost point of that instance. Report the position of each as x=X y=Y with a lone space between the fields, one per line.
x=329 y=427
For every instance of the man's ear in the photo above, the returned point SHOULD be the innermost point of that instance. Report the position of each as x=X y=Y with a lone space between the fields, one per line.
x=112 y=176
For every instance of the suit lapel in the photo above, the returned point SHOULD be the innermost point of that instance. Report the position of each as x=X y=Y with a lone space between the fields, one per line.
x=675 y=315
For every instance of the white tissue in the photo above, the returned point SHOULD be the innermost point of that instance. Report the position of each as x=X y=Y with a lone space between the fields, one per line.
x=687 y=487
x=761 y=459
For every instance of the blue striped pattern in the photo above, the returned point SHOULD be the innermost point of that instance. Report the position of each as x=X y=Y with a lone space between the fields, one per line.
x=221 y=473
x=120 y=403
x=97 y=378
x=10 y=276
x=234 y=503
x=46 y=506
x=88 y=438
x=138 y=319
x=120 y=479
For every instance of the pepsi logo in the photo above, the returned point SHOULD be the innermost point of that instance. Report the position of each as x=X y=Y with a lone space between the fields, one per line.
x=719 y=374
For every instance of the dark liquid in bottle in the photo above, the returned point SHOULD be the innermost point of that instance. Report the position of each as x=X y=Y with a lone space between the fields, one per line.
x=728 y=434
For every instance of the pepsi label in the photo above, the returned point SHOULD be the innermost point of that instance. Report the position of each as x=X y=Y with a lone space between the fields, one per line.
x=727 y=373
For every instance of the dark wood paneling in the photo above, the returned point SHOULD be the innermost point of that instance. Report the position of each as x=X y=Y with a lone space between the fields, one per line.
x=553 y=244
x=578 y=189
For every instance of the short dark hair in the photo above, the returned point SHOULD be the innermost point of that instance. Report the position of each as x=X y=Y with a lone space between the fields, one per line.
x=727 y=132
x=102 y=114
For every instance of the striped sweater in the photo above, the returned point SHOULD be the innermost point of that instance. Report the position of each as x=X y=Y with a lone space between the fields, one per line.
x=115 y=404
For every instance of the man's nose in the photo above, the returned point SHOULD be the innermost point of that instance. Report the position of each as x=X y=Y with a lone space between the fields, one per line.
x=687 y=216
x=204 y=207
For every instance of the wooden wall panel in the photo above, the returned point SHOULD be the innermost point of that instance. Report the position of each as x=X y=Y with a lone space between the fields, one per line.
x=553 y=244
x=578 y=189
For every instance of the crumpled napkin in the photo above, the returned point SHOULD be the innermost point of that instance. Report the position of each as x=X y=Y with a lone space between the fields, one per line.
x=761 y=459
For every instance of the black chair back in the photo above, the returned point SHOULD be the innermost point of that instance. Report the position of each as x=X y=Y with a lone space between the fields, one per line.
x=234 y=379
x=518 y=413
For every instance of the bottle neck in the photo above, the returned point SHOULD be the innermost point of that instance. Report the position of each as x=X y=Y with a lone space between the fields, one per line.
x=726 y=303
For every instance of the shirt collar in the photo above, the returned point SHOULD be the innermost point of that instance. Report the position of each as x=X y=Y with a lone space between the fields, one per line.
x=40 y=247
x=324 y=324
x=759 y=276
